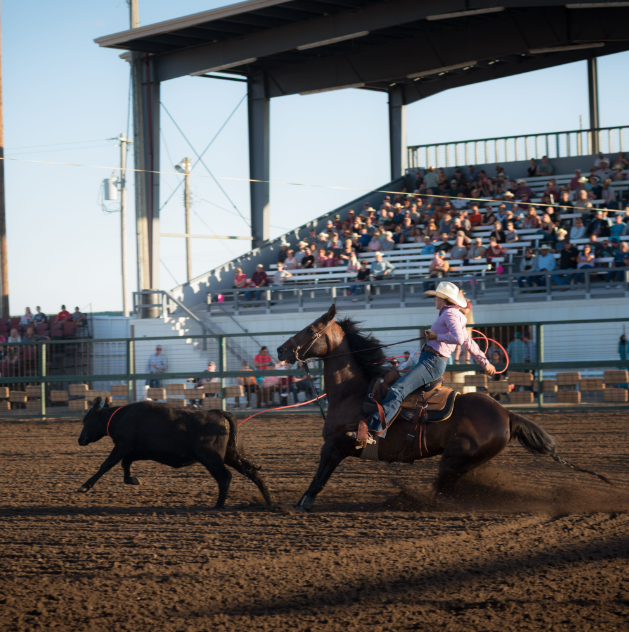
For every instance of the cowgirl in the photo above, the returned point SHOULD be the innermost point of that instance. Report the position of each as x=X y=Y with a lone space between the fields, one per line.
x=448 y=331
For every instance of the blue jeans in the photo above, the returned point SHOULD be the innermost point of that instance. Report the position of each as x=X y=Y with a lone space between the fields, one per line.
x=354 y=289
x=580 y=276
x=248 y=294
x=429 y=368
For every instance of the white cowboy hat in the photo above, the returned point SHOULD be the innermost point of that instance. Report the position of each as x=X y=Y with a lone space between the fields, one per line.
x=448 y=290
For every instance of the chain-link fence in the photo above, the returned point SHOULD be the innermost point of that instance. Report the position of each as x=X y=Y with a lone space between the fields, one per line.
x=550 y=364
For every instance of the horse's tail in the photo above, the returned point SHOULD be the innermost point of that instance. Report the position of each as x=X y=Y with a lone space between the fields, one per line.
x=537 y=441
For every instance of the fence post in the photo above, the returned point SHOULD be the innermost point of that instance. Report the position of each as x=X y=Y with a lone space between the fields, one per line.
x=549 y=296
x=540 y=360
x=587 y=284
x=41 y=369
x=222 y=363
x=129 y=370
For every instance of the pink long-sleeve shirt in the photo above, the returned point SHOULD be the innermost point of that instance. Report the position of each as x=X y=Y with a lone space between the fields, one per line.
x=451 y=331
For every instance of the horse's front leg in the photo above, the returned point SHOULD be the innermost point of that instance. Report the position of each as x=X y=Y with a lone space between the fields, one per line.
x=334 y=450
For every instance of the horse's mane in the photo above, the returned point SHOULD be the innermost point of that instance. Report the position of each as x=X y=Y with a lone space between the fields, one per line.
x=369 y=359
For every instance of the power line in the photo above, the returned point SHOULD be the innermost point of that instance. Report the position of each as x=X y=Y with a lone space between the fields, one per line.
x=200 y=157
x=169 y=272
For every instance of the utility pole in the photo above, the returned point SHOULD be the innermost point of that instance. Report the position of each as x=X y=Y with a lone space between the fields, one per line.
x=134 y=14
x=4 y=264
x=124 y=142
x=185 y=166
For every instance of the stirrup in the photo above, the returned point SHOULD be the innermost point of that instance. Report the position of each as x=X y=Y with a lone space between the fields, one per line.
x=362 y=436
x=354 y=435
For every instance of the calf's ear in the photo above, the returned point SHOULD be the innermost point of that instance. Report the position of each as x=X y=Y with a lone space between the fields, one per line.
x=97 y=402
x=107 y=402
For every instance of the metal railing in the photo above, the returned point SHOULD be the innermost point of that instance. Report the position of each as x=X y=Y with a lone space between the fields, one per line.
x=510 y=287
x=523 y=147
x=122 y=368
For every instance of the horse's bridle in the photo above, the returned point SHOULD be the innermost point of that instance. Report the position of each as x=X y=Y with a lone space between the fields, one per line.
x=308 y=344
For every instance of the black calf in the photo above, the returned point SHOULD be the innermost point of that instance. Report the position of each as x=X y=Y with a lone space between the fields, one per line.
x=147 y=431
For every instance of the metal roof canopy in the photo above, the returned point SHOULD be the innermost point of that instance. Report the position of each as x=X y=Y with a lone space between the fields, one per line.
x=409 y=49
x=372 y=45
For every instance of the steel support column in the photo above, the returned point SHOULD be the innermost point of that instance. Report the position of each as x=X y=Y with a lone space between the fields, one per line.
x=593 y=98
x=146 y=112
x=397 y=133
x=259 y=158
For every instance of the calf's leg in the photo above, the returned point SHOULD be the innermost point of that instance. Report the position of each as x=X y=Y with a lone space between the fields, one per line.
x=113 y=459
x=247 y=468
x=215 y=466
x=126 y=467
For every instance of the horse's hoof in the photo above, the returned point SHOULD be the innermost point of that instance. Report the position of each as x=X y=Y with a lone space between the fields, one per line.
x=83 y=489
x=305 y=504
x=131 y=480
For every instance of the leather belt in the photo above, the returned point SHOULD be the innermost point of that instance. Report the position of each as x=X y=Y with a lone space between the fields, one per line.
x=431 y=350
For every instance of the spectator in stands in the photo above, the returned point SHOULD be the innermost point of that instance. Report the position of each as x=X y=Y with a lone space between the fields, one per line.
x=475 y=217
x=291 y=262
x=620 y=161
x=240 y=279
x=438 y=268
x=604 y=172
x=500 y=215
x=531 y=172
x=608 y=195
x=259 y=279
x=406 y=229
x=618 y=174
x=280 y=276
x=619 y=227
x=493 y=251
x=375 y=243
x=578 y=230
x=432 y=231
x=545 y=263
x=331 y=260
x=511 y=234
x=322 y=259
x=600 y=159
x=388 y=243
x=64 y=314
x=249 y=384
x=348 y=252
x=361 y=277
x=381 y=269
x=459 y=251
x=301 y=384
x=489 y=218
x=445 y=245
x=528 y=263
x=28 y=318
x=308 y=261
x=157 y=364
x=585 y=259
x=532 y=220
x=547 y=229
x=431 y=179
x=283 y=253
x=498 y=233
x=477 y=251
x=40 y=317
x=595 y=245
x=574 y=183
x=30 y=336
x=429 y=247
x=599 y=226
x=79 y=317
x=202 y=381
x=263 y=361
x=567 y=261
x=621 y=260
x=607 y=249
x=523 y=190
x=545 y=169
x=516 y=349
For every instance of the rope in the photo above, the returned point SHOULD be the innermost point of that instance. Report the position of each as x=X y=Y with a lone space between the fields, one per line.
x=295 y=184
x=282 y=407
x=488 y=340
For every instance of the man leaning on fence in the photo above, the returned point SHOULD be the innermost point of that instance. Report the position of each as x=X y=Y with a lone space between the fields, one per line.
x=157 y=364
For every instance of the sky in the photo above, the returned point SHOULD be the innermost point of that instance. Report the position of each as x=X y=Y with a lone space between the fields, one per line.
x=65 y=98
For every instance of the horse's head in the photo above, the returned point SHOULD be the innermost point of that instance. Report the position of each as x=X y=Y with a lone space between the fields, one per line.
x=310 y=342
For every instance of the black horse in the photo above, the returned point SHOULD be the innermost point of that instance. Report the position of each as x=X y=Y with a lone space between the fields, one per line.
x=147 y=431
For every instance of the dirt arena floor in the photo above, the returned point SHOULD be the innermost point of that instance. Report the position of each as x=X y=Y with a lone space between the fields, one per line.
x=528 y=544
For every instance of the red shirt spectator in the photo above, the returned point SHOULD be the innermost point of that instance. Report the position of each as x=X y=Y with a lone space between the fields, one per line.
x=64 y=314
x=475 y=218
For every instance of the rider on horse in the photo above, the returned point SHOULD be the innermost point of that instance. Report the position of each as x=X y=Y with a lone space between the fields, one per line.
x=448 y=331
